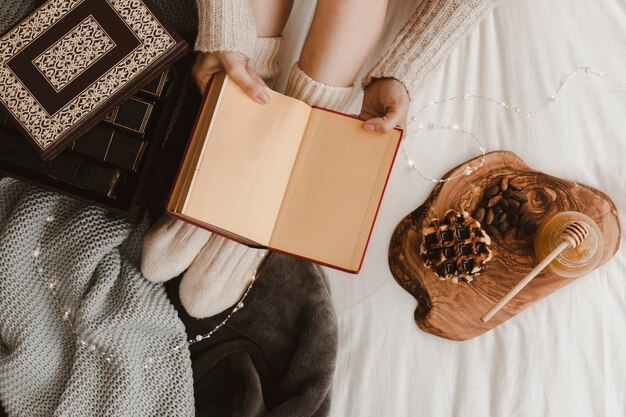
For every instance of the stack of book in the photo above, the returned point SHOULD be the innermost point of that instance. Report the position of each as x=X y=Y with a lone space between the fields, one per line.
x=83 y=86
x=105 y=158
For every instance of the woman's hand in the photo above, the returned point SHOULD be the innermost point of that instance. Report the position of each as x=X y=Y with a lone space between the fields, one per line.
x=234 y=64
x=385 y=105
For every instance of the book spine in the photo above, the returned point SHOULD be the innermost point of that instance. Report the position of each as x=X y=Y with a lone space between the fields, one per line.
x=112 y=146
x=156 y=89
x=101 y=179
x=131 y=116
x=67 y=167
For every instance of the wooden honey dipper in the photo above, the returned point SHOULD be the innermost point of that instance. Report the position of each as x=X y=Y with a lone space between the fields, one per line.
x=572 y=236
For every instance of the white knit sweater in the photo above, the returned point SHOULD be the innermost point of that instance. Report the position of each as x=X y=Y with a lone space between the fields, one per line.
x=426 y=40
x=421 y=45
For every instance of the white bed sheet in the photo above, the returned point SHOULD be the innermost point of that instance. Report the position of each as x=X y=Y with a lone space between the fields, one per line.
x=564 y=356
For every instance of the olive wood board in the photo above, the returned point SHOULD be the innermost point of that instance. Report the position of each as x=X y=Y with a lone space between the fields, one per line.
x=453 y=311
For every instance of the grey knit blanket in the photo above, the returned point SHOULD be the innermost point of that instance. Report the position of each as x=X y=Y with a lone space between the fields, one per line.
x=82 y=333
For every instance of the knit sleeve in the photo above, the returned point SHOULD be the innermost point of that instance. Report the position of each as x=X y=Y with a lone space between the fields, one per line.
x=225 y=25
x=426 y=40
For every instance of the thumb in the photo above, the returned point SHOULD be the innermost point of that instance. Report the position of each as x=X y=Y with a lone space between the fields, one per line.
x=252 y=86
x=385 y=123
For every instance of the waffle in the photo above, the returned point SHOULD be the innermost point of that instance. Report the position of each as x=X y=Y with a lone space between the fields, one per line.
x=455 y=248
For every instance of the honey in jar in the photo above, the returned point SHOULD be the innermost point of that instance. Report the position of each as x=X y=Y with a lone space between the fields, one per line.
x=572 y=262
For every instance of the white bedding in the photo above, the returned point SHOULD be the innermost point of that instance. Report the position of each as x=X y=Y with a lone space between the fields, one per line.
x=564 y=356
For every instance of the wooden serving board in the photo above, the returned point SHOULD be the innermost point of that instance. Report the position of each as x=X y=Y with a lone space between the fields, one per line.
x=453 y=311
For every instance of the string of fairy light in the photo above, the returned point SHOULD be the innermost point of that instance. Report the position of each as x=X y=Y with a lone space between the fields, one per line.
x=551 y=99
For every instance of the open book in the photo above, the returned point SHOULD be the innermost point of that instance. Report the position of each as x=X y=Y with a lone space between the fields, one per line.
x=295 y=179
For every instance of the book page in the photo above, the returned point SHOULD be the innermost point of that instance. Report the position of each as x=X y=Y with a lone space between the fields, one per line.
x=334 y=191
x=246 y=162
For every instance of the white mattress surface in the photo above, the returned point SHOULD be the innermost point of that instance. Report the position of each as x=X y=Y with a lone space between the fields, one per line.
x=563 y=356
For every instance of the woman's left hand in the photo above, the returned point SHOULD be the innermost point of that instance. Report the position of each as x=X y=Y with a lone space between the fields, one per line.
x=385 y=105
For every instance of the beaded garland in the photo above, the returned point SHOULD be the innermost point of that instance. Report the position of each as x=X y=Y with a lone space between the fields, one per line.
x=528 y=114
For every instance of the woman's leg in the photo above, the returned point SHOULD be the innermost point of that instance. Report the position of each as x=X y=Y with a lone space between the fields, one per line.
x=270 y=16
x=340 y=39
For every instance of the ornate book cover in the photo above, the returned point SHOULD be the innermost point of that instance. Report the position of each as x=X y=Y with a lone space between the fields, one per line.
x=68 y=63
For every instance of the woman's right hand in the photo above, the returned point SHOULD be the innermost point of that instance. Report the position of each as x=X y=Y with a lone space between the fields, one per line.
x=234 y=64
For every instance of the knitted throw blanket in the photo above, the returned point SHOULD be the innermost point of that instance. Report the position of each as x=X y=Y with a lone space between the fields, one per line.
x=82 y=333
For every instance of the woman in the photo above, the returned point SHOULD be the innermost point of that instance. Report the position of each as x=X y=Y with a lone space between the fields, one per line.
x=243 y=38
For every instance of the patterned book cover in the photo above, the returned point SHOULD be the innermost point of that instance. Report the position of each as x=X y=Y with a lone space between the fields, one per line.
x=71 y=61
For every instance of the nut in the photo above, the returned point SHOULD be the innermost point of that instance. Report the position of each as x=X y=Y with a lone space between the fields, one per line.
x=491 y=191
x=494 y=200
x=502 y=208
x=519 y=196
x=479 y=214
x=489 y=216
x=504 y=183
x=514 y=204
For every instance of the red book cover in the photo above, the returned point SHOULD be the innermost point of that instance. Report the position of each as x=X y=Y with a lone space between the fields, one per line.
x=300 y=180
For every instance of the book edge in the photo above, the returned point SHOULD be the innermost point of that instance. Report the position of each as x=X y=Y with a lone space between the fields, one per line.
x=170 y=205
x=196 y=169
x=217 y=231
x=382 y=195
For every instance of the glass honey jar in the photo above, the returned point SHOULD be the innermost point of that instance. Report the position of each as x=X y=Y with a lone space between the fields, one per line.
x=572 y=262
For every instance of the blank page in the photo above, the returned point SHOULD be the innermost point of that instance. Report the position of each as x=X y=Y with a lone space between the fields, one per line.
x=246 y=163
x=334 y=191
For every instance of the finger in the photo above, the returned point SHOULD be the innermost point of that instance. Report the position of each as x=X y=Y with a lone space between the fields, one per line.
x=374 y=124
x=202 y=80
x=394 y=117
x=365 y=115
x=255 y=88
x=379 y=124
x=200 y=84
x=205 y=66
x=256 y=77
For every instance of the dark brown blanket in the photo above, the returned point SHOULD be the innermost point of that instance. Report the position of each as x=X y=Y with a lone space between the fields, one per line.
x=275 y=357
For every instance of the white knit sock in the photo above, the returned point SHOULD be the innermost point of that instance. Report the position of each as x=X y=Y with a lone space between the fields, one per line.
x=169 y=247
x=315 y=93
x=265 y=59
x=218 y=276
